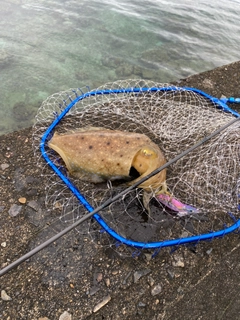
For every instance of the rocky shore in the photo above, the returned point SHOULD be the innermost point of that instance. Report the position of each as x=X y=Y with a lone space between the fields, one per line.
x=75 y=278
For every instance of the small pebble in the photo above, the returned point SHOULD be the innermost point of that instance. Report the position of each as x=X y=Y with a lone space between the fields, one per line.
x=150 y=281
x=5 y=296
x=126 y=278
x=171 y=273
x=180 y=290
x=22 y=200
x=4 y=244
x=209 y=251
x=14 y=210
x=140 y=273
x=185 y=234
x=148 y=256
x=107 y=282
x=99 y=277
x=142 y=305
x=4 y=166
x=178 y=261
x=44 y=318
x=156 y=290
x=65 y=316
x=101 y=304
x=207 y=83
x=57 y=205
x=114 y=272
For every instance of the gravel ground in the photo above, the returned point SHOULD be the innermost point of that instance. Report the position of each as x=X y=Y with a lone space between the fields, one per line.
x=75 y=278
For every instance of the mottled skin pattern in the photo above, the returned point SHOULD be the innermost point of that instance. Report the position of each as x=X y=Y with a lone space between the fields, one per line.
x=98 y=154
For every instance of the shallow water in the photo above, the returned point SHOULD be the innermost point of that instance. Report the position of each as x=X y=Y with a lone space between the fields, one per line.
x=48 y=46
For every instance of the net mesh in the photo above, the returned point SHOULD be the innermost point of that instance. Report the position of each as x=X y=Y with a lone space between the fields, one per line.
x=207 y=178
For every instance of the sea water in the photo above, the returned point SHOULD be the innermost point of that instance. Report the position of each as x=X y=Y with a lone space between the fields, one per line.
x=51 y=45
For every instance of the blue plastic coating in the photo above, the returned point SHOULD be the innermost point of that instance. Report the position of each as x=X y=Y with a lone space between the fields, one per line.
x=221 y=104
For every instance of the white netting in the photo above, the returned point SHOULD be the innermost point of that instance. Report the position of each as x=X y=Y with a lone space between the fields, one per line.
x=207 y=178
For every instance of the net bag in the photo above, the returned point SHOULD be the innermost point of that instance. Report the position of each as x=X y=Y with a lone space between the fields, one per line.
x=174 y=118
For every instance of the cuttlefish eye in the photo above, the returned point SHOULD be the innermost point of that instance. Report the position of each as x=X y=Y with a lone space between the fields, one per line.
x=143 y=160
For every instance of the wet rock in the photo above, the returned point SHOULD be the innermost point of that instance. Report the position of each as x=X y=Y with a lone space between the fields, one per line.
x=140 y=273
x=137 y=70
x=4 y=166
x=155 y=55
x=125 y=70
x=14 y=210
x=34 y=205
x=32 y=192
x=19 y=180
x=156 y=290
x=5 y=58
x=102 y=303
x=22 y=111
x=65 y=316
x=148 y=74
x=92 y=290
x=35 y=217
x=5 y=296
x=112 y=62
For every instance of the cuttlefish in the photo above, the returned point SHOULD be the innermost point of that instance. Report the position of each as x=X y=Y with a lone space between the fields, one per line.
x=98 y=154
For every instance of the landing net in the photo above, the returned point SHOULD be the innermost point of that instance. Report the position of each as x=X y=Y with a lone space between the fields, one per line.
x=207 y=178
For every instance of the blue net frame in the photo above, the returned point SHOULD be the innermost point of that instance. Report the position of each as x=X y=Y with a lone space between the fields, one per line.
x=220 y=103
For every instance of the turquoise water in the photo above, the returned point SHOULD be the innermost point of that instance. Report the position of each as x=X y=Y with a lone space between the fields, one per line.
x=50 y=45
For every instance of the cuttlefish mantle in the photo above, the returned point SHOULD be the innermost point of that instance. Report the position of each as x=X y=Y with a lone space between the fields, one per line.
x=97 y=154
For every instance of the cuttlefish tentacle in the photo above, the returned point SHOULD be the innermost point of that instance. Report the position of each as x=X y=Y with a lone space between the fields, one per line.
x=98 y=154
